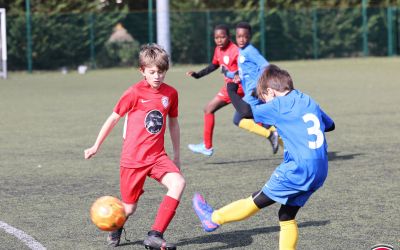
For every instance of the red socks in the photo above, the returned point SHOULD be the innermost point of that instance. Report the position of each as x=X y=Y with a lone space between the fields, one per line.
x=209 y=120
x=165 y=213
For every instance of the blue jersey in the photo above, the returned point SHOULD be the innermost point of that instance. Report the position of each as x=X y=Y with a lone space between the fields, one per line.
x=301 y=124
x=251 y=65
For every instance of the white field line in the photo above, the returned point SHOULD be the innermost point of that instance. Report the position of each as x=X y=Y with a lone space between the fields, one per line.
x=26 y=239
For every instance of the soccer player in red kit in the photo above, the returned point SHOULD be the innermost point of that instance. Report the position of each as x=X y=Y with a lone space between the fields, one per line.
x=225 y=55
x=146 y=106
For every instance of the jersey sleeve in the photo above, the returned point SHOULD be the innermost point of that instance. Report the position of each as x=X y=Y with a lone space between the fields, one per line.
x=215 y=60
x=173 y=111
x=260 y=61
x=125 y=103
x=265 y=113
x=233 y=65
x=328 y=122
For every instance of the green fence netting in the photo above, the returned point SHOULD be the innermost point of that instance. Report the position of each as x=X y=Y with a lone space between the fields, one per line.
x=69 y=40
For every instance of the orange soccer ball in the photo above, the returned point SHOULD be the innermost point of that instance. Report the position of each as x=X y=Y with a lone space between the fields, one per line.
x=108 y=213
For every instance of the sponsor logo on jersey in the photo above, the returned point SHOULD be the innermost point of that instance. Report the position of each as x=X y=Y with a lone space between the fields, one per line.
x=165 y=101
x=144 y=101
x=154 y=121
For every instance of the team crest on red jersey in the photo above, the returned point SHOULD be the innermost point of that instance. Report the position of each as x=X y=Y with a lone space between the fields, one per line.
x=226 y=60
x=165 y=101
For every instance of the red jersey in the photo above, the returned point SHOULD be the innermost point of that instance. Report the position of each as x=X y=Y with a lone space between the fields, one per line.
x=227 y=57
x=146 y=112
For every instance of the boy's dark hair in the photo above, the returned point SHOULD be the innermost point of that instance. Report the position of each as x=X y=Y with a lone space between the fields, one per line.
x=153 y=55
x=244 y=25
x=275 y=78
x=222 y=27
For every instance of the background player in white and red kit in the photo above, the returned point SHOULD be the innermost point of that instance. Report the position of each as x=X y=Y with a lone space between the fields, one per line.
x=146 y=105
x=226 y=54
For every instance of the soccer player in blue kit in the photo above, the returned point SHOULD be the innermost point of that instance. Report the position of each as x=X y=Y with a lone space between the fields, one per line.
x=301 y=123
x=251 y=64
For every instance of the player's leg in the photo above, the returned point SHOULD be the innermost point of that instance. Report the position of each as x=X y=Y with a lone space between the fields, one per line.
x=209 y=119
x=206 y=147
x=241 y=209
x=114 y=237
x=235 y=211
x=289 y=233
x=250 y=125
x=131 y=187
x=175 y=183
x=168 y=175
x=244 y=119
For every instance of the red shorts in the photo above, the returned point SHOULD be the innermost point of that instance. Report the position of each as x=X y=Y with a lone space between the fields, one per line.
x=223 y=93
x=132 y=179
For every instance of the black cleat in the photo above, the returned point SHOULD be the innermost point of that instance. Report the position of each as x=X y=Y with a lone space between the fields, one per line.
x=155 y=241
x=274 y=139
x=114 y=237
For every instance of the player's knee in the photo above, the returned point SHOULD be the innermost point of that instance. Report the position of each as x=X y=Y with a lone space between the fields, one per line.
x=182 y=184
x=287 y=212
x=208 y=109
x=261 y=200
x=178 y=184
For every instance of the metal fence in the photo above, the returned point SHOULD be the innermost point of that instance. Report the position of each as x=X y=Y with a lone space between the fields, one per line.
x=43 y=41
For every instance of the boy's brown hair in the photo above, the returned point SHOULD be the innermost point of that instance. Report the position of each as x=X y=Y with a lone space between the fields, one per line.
x=153 y=55
x=275 y=78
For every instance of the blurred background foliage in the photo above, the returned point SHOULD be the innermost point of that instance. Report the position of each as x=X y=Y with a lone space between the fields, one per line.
x=71 y=33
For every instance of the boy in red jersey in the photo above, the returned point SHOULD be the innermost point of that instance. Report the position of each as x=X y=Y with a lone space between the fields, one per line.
x=146 y=105
x=226 y=55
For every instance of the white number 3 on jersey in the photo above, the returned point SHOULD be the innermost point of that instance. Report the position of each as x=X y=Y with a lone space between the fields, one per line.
x=314 y=130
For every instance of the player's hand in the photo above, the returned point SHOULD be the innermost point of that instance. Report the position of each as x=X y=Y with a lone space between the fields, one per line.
x=88 y=153
x=177 y=163
x=223 y=70
x=236 y=78
x=189 y=73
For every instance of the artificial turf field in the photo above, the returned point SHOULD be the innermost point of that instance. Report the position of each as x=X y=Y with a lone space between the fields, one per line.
x=47 y=188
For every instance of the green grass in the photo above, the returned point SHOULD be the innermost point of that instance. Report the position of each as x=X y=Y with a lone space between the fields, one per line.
x=47 y=188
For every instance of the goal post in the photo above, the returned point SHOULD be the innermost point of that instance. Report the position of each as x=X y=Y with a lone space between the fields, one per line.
x=3 y=43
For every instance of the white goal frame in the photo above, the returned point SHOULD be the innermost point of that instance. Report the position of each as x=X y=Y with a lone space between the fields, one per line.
x=3 y=43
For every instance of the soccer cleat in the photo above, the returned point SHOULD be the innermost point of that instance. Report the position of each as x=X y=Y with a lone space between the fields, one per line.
x=201 y=149
x=114 y=237
x=156 y=241
x=274 y=139
x=204 y=212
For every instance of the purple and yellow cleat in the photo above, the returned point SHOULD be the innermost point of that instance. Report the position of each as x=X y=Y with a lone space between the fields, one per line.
x=204 y=212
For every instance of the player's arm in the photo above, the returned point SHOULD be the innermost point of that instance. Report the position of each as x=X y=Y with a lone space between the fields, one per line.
x=105 y=130
x=174 y=131
x=329 y=123
x=207 y=70
x=260 y=61
x=242 y=107
x=229 y=74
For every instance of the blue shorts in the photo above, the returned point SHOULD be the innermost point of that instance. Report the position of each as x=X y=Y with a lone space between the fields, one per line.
x=291 y=190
